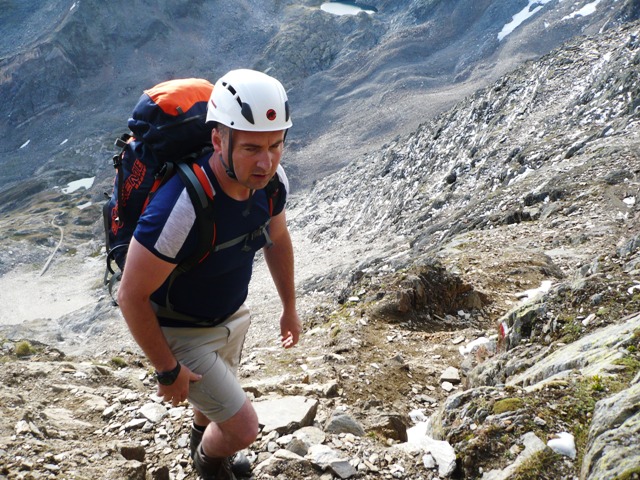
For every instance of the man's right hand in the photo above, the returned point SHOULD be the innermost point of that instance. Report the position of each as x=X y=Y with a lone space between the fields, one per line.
x=178 y=391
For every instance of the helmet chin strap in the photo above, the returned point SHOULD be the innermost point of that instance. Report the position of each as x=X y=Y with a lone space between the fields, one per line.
x=229 y=168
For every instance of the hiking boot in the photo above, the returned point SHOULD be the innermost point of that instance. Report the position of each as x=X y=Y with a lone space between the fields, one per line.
x=240 y=464
x=212 y=468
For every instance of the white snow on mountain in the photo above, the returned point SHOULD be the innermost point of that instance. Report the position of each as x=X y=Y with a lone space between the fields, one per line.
x=521 y=16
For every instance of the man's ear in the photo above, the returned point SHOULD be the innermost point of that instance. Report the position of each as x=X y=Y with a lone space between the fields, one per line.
x=216 y=140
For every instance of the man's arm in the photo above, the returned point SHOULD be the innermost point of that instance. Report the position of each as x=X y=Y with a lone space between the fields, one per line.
x=144 y=273
x=279 y=259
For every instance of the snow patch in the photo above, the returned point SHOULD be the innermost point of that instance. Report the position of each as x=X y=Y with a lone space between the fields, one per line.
x=588 y=9
x=532 y=293
x=521 y=16
x=78 y=184
x=564 y=445
x=340 y=8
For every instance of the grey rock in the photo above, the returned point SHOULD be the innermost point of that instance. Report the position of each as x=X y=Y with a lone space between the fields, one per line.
x=279 y=464
x=590 y=354
x=134 y=424
x=287 y=455
x=154 y=412
x=285 y=414
x=325 y=457
x=447 y=386
x=63 y=419
x=132 y=452
x=110 y=411
x=129 y=469
x=310 y=436
x=389 y=425
x=94 y=403
x=297 y=446
x=341 y=422
x=451 y=374
x=161 y=473
x=614 y=436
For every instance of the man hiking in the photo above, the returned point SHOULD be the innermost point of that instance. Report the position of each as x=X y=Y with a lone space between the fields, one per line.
x=192 y=326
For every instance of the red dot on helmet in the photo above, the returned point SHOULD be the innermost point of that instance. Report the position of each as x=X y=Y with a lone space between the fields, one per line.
x=271 y=114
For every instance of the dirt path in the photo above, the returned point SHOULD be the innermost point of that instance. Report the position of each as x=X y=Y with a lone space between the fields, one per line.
x=29 y=292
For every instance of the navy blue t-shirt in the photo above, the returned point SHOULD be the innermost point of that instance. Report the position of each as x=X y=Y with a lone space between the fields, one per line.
x=218 y=286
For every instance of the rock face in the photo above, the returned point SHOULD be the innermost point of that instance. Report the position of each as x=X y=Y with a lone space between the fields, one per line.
x=614 y=435
x=477 y=278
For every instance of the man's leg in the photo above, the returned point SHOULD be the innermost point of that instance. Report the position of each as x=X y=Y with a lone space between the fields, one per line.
x=226 y=438
x=231 y=354
x=222 y=412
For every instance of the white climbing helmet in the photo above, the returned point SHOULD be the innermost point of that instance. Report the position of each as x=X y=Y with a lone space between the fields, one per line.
x=249 y=100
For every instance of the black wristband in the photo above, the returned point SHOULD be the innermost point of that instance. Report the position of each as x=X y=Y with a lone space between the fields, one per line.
x=167 y=378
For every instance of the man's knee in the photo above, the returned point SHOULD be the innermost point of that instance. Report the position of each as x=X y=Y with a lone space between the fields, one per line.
x=247 y=436
x=243 y=427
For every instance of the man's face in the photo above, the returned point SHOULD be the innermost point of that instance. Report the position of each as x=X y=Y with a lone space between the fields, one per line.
x=256 y=156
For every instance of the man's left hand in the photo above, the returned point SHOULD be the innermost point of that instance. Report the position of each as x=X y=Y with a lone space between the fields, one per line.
x=290 y=328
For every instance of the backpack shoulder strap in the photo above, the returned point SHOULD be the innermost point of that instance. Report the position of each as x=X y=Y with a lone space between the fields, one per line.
x=202 y=196
x=273 y=192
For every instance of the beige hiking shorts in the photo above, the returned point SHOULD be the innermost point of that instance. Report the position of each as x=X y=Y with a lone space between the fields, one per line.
x=214 y=353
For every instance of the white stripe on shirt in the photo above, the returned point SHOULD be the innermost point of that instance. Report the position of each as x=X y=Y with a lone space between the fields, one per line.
x=177 y=227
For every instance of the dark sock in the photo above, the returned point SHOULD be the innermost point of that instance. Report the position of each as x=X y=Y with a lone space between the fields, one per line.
x=199 y=428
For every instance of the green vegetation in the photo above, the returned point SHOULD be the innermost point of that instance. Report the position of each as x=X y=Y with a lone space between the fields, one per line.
x=571 y=329
x=118 y=362
x=539 y=466
x=632 y=474
x=24 y=349
x=507 y=405
x=632 y=364
x=596 y=384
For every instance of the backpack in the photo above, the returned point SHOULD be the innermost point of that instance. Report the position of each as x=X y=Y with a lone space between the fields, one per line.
x=168 y=133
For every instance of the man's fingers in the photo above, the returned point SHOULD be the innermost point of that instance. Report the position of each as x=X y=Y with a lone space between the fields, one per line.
x=288 y=340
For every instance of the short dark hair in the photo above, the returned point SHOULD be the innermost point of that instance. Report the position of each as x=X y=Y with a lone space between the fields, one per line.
x=222 y=129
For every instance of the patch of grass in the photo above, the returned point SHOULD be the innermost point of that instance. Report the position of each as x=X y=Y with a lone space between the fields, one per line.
x=540 y=466
x=507 y=405
x=570 y=331
x=632 y=474
x=632 y=364
x=596 y=384
x=118 y=362
x=24 y=349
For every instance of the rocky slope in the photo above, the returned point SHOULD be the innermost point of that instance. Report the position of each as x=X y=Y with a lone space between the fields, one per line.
x=355 y=81
x=469 y=292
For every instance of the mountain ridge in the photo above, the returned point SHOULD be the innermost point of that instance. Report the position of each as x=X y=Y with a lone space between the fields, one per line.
x=55 y=85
